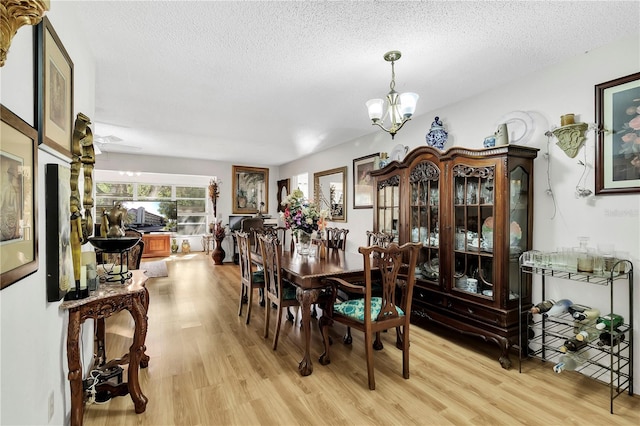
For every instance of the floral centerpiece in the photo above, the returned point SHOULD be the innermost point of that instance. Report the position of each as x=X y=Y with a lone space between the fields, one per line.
x=302 y=216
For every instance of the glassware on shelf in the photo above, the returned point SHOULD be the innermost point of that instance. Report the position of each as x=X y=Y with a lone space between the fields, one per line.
x=472 y=193
x=584 y=256
x=434 y=197
x=459 y=193
x=487 y=192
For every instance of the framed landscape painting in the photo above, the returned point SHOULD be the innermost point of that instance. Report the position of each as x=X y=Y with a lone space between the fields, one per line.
x=250 y=190
x=18 y=169
x=362 y=181
x=54 y=82
x=618 y=145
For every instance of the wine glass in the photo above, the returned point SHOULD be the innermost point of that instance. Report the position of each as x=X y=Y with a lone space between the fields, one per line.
x=459 y=193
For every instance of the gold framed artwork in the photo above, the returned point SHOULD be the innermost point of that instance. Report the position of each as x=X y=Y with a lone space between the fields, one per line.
x=362 y=181
x=18 y=177
x=250 y=193
x=618 y=147
x=54 y=75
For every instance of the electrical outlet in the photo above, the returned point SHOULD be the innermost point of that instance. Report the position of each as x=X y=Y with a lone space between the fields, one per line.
x=50 y=405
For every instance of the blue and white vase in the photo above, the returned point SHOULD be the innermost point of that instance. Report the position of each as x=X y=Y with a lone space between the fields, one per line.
x=437 y=136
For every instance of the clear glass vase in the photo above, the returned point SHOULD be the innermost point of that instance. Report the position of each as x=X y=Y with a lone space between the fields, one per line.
x=304 y=242
x=584 y=256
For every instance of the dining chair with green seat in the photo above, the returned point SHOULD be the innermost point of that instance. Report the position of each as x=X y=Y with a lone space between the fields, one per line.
x=381 y=239
x=372 y=314
x=250 y=278
x=278 y=291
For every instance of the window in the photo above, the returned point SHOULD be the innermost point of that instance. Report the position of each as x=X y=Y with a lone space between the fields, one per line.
x=191 y=200
x=301 y=181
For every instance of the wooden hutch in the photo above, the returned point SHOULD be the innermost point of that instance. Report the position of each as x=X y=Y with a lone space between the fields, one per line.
x=473 y=212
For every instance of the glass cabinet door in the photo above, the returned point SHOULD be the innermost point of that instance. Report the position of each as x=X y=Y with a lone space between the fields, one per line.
x=518 y=225
x=424 y=218
x=388 y=207
x=473 y=239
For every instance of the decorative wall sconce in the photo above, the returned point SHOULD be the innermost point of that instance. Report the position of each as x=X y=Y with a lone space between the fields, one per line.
x=15 y=14
x=400 y=108
x=571 y=135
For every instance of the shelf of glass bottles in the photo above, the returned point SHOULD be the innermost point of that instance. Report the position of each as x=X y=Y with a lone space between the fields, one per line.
x=620 y=270
x=607 y=364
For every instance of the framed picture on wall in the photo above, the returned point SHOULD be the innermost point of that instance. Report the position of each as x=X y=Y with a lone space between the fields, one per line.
x=283 y=193
x=54 y=82
x=18 y=170
x=250 y=190
x=362 y=181
x=618 y=146
x=58 y=210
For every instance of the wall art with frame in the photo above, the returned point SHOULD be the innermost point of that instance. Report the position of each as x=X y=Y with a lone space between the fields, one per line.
x=362 y=182
x=250 y=190
x=18 y=213
x=283 y=193
x=58 y=210
x=54 y=94
x=618 y=147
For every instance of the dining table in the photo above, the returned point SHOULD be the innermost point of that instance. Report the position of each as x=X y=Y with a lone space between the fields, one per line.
x=308 y=274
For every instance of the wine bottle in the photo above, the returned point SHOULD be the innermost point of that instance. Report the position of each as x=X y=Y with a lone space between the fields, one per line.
x=542 y=307
x=586 y=315
x=572 y=344
x=569 y=362
x=609 y=321
x=559 y=308
x=588 y=333
x=609 y=339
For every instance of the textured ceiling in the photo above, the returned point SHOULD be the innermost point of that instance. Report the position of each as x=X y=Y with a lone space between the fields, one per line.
x=269 y=82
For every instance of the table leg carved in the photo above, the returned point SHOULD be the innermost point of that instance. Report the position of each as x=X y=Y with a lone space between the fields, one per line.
x=306 y=297
x=102 y=303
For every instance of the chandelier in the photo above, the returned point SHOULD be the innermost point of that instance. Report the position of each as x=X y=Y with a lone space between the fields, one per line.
x=400 y=108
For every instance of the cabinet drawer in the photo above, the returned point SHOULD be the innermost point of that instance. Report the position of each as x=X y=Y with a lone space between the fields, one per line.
x=479 y=312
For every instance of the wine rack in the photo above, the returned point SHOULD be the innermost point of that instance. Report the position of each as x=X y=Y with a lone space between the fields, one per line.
x=608 y=364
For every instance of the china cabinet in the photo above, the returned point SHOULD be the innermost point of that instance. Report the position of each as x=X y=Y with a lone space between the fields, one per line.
x=472 y=210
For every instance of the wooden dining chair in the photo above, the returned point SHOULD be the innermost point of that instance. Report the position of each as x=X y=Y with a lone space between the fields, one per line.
x=250 y=225
x=278 y=291
x=371 y=314
x=381 y=239
x=250 y=278
x=337 y=238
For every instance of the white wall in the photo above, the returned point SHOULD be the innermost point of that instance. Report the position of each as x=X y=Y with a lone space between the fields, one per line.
x=33 y=355
x=567 y=87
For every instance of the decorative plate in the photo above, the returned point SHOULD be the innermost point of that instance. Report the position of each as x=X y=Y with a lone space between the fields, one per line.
x=520 y=126
x=398 y=152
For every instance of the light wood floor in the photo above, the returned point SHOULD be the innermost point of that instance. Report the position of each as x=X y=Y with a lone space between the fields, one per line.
x=208 y=368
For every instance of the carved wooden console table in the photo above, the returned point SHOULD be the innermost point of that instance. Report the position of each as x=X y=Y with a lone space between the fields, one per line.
x=107 y=300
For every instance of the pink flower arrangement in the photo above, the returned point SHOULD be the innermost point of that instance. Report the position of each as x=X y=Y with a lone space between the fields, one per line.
x=300 y=214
